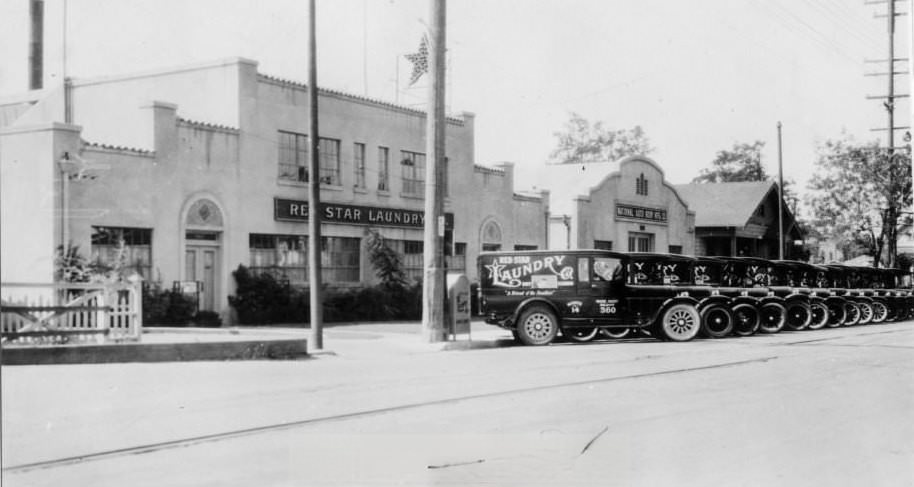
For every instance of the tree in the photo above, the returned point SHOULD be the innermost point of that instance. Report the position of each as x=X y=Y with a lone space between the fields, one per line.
x=744 y=163
x=386 y=262
x=858 y=193
x=583 y=141
x=741 y=163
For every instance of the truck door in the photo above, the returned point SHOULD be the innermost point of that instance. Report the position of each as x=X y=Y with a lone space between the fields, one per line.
x=600 y=281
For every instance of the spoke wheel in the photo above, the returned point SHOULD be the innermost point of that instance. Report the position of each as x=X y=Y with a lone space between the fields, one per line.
x=772 y=317
x=615 y=332
x=799 y=315
x=880 y=312
x=537 y=326
x=745 y=320
x=866 y=313
x=581 y=335
x=680 y=323
x=716 y=321
x=819 y=313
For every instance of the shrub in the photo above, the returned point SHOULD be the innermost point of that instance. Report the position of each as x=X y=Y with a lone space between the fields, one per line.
x=166 y=307
x=261 y=299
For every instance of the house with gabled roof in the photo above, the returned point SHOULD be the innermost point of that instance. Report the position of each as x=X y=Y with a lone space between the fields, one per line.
x=739 y=218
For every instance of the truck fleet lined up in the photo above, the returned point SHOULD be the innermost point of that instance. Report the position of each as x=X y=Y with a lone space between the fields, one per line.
x=582 y=294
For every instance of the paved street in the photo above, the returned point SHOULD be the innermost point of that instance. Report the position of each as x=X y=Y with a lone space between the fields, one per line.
x=831 y=407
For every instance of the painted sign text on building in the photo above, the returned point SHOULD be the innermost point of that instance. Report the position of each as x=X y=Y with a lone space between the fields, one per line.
x=294 y=210
x=641 y=213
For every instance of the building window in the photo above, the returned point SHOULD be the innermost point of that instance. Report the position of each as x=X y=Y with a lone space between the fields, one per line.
x=640 y=242
x=383 y=169
x=411 y=252
x=524 y=247
x=340 y=259
x=358 y=161
x=603 y=244
x=641 y=185
x=675 y=249
x=413 y=170
x=293 y=156
x=285 y=257
x=126 y=249
x=491 y=237
x=458 y=261
x=329 y=151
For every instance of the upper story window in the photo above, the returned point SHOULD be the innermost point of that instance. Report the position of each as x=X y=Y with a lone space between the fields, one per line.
x=641 y=185
x=293 y=156
x=358 y=162
x=412 y=166
x=329 y=151
x=383 y=169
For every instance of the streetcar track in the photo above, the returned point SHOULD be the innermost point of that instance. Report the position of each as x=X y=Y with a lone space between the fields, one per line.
x=227 y=435
x=847 y=336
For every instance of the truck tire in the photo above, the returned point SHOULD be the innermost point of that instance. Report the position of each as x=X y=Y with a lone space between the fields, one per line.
x=799 y=315
x=837 y=313
x=866 y=313
x=580 y=335
x=716 y=321
x=772 y=317
x=615 y=332
x=745 y=320
x=819 y=313
x=680 y=322
x=852 y=314
x=537 y=326
x=880 y=312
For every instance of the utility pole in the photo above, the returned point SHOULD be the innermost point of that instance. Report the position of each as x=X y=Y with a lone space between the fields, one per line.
x=889 y=230
x=314 y=190
x=433 y=287
x=780 y=198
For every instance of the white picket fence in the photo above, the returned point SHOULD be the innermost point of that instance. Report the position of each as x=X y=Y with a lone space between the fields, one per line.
x=36 y=314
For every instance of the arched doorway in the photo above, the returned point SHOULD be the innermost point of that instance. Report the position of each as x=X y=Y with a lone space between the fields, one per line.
x=203 y=225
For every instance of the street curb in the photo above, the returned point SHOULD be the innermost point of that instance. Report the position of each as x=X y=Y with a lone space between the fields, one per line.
x=276 y=349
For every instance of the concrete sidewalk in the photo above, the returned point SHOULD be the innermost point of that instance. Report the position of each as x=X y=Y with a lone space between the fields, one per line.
x=173 y=344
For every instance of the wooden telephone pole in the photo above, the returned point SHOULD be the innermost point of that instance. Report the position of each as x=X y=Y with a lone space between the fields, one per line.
x=890 y=218
x=314 y=191
x=433 y=286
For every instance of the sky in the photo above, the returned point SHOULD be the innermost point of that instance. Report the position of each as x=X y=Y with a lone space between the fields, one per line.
x=697 y=76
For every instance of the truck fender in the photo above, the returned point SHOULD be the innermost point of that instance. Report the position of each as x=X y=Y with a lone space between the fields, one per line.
x=771 y=299
x=713 y=300
x=744 y=300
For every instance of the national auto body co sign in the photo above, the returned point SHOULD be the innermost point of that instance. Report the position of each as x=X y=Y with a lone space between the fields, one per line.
x=298 y=211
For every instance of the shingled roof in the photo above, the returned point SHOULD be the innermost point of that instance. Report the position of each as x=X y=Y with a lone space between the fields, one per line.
x=724 y=204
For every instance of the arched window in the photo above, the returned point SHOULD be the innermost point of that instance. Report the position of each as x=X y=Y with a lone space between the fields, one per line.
x=491 y=237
